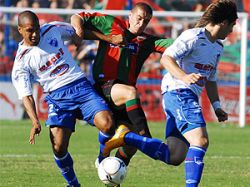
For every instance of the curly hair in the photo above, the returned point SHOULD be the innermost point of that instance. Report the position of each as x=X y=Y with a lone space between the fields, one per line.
x=218 y=12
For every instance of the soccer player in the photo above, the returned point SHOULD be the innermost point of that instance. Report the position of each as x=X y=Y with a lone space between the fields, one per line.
x=116 y=67
x=43 y=57
x=191 y=62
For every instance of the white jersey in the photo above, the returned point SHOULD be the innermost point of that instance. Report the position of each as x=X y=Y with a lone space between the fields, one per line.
x=194 y=53
x=49 y=63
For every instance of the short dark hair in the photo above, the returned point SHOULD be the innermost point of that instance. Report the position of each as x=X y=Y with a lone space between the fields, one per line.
x=143 y=6
x=218 y=12
x=27 y=14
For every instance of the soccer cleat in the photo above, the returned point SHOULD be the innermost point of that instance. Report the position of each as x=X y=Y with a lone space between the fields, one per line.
x=116 y=141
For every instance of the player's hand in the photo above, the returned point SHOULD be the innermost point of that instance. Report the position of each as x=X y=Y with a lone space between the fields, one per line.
x=221 y=115
x=119 y=40
x=76 y=40
x=35 y=130
x=191 y=78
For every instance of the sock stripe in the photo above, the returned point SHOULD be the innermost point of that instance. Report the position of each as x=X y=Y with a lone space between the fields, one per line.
x=105 y=135
x=122 y=152
x=132 y=107
x=198 y=148
x=133 y=102
x=61 y=158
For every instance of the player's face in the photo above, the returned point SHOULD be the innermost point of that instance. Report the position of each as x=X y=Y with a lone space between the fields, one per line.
x=138 y=20
x=30 y=32
x=225 y=29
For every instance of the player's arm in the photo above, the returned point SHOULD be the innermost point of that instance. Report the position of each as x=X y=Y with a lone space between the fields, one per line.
x=181 y=47
x=212 y=92
x=161 y=44
x=85 y=33
x=169 y=63
x=29 y=105
x=22 y=82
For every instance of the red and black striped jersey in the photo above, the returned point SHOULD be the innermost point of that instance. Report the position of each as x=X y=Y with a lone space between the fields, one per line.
x=122 y=63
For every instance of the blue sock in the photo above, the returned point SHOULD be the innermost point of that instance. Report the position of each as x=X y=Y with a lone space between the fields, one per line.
x=102 y=137
x=65 y=164
x=194 y=165
x=152 y=147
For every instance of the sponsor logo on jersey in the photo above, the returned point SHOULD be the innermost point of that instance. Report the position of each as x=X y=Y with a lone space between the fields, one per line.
x=59 y=70
x=53 y=60
x=133 y=47
x=205 y=67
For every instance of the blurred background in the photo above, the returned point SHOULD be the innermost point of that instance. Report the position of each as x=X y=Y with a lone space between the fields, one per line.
x=152 y=72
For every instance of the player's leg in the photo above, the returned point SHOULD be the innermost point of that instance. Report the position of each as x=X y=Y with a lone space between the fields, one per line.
x=127 y=96
x=124 y=94
x=120 y=114
x=184 y=107
x=198 y=139
x=60 y=137
x=177 y=149
x=177 y=144
x=98 y=114
x=61 y=120
x=125 y=152
x=104 y=122
x=152 y=147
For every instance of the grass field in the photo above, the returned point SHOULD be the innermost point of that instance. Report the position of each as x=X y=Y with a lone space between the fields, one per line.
x=227 y=162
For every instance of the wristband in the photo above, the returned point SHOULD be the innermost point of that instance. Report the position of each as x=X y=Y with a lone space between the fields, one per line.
x=216 y=105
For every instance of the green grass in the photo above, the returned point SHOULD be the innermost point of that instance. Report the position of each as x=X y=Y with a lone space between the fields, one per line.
x=227 y=162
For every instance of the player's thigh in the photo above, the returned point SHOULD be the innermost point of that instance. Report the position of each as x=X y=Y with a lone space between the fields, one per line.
x=59 y=137
x=121 y=93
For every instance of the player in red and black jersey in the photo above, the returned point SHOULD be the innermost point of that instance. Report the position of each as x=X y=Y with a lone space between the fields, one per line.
x=116 y=67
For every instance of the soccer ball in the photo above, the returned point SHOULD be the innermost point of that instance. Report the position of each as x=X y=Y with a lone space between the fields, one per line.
x=112 y=171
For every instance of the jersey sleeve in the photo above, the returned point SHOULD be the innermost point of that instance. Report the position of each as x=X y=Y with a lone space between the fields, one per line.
x=97 y=21
x=161 y=44
x=21 y=79
x=181 y=47
x=65 y=29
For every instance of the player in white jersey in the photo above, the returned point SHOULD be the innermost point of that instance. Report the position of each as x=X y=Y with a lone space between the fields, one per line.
x=43 y=57
x=191 y=62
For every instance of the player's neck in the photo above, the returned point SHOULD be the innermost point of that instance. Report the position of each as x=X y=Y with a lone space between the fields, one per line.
x=211 y=32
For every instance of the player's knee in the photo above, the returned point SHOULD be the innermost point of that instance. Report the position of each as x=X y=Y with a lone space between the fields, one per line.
x=176 y=161
x=107 y=126
x=201 y=142
x=131 y=93
x=104 y=122
x=59 y=150
x=204 y=142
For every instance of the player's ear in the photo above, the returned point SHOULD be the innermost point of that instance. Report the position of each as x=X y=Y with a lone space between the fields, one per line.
x=19 y=29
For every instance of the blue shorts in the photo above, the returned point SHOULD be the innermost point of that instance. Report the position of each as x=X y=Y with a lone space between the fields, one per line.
x=77 y=100
x=183 y=112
